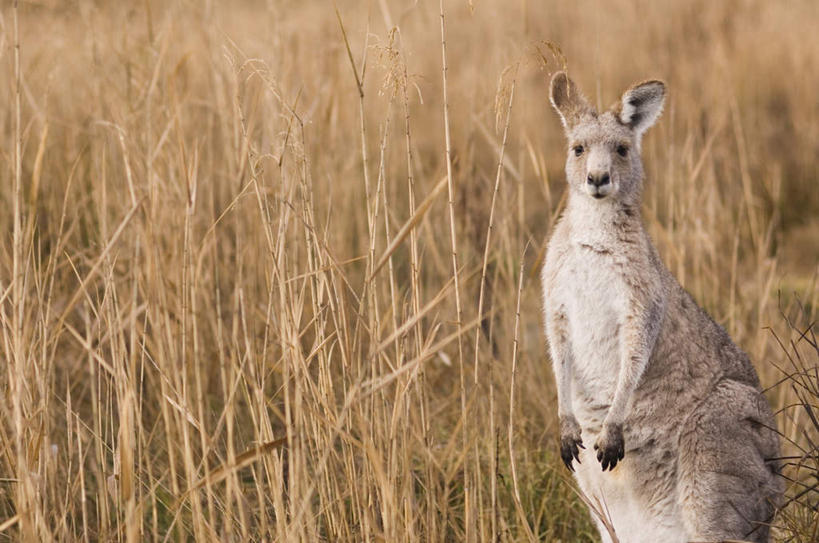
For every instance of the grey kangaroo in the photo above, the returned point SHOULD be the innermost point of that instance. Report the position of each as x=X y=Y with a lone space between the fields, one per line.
x=680 y=443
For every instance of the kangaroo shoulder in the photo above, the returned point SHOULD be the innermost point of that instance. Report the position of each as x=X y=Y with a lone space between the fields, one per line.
x=557 y=251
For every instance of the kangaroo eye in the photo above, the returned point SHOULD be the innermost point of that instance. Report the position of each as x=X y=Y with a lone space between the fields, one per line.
x=622 y=150
x=578 y=150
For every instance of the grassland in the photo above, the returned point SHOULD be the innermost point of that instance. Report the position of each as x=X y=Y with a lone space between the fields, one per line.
x=268 y=273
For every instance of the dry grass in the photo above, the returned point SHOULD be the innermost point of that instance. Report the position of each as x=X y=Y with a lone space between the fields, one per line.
x=237 y=305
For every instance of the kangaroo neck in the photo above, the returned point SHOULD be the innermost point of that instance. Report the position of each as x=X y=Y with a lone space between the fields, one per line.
x=603 y=221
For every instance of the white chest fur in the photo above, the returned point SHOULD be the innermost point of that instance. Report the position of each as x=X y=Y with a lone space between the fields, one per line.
x=593 y=293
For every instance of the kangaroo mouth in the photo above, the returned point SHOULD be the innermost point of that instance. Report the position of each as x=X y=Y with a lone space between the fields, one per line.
x=598 y=193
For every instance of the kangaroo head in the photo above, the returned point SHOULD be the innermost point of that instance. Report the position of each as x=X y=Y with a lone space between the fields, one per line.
x=604 y=149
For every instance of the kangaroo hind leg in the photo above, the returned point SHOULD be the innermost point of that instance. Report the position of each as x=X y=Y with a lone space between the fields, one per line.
x=728 y=475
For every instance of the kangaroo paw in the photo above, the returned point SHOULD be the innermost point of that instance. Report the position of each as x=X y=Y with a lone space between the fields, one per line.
x=610 y=446
x=570 y=441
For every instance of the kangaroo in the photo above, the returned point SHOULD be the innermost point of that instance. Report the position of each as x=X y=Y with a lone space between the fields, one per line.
x=684 y=443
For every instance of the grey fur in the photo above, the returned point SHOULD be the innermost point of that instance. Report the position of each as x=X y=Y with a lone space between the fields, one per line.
x=685 y=439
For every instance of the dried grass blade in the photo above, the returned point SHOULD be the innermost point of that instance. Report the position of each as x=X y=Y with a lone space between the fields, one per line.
x=409 y=225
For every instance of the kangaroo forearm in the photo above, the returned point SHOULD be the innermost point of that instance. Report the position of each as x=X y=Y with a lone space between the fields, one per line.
x=563 y=376
x=637 y=341
x=629 y=377
x=562 y=362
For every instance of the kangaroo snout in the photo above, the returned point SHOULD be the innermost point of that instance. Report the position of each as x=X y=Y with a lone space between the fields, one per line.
x=598 y=179
x=598 y=184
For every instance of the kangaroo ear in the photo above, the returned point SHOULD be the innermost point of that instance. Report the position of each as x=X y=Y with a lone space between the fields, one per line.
x=642 y=105
x=567 y=100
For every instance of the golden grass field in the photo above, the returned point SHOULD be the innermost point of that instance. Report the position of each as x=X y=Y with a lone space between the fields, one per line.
x=263 y=276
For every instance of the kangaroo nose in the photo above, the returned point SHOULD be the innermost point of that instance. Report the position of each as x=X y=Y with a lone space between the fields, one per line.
x=598 y=179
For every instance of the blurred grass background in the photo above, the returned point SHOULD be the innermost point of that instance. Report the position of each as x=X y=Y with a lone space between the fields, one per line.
x=227 y=296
